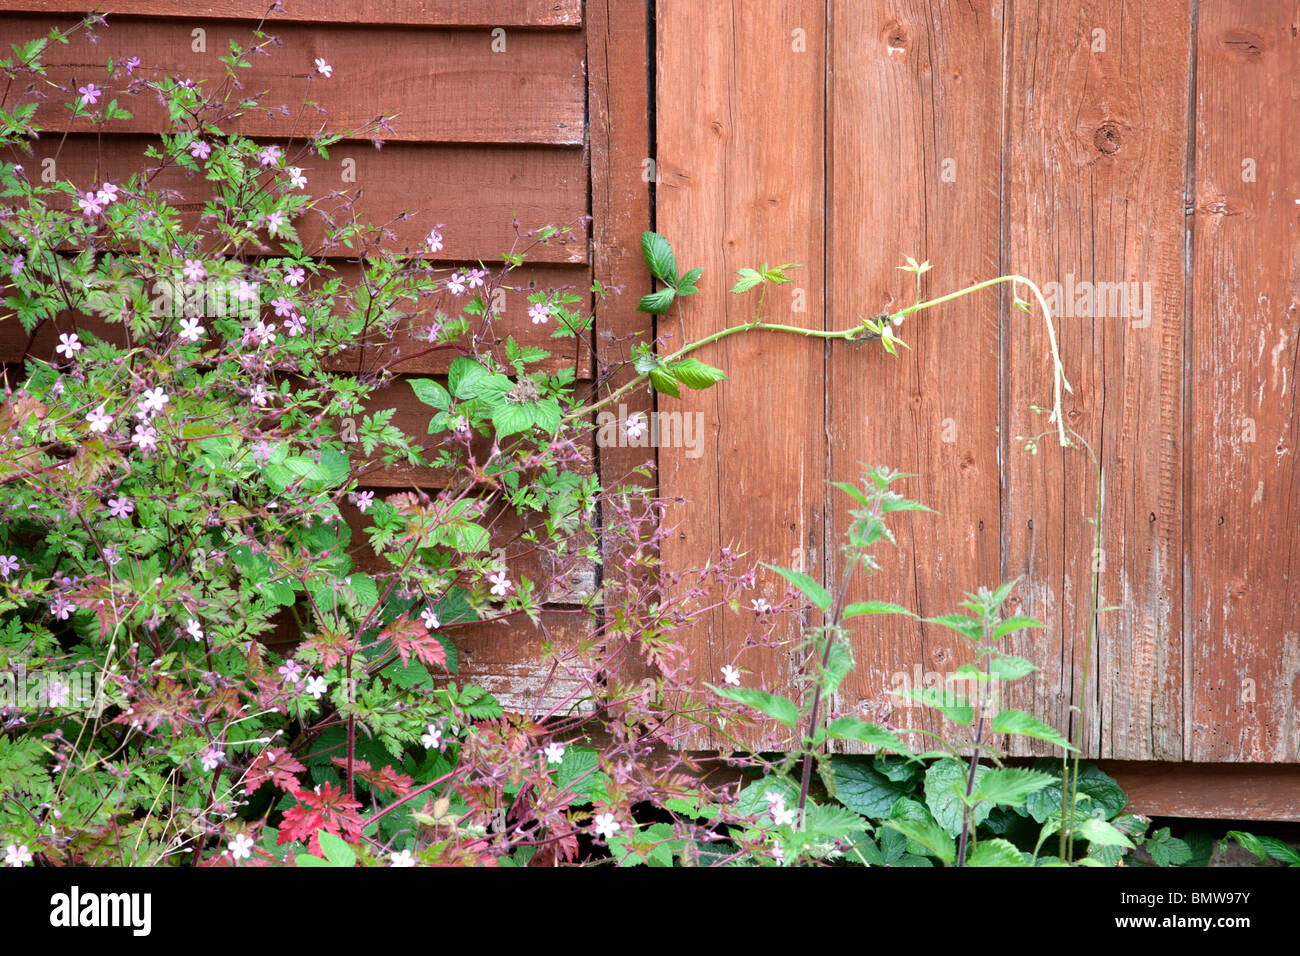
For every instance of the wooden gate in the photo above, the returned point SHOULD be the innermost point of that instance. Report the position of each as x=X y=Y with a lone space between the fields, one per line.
x=1131 y=153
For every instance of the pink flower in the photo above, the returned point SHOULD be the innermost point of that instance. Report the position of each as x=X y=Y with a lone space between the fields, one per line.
x=269 y=156
x=90 y=94
x=245 y=291
x=294 y=276
x=282 y=306
x=17 y=854
x=635 y=426
x=540 y=313
x=363 y=500
x=194 y=271
x=131 y=64
x=291 y=670
x=69 y=345
x=62 y=608
x=146 y=436
x=474 y=278
x=259 y=396
x=430 y=619
x=200 y=149
x=90 y=205
x=154 y=399
x=456 y=284
x=294 y=325
x=274 y=222
x=16 y=265
x=500 y=584
x=760 y=606
x=107 y=194
x=296 y=178
x=194 y=629
x=120 y=507
x=434 y=240
x=262 y=452
x=323 y=68
x=211 y=759
x=8 y=565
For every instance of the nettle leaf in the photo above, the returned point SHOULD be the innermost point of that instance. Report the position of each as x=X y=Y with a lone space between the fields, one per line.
x=945 y=788
x=967 y=627
x=863 y=789
x=1099 y=787
x=696 y=374
x=656 y=303
x=1021 y=724
x=774 y=706
x=1097 y=831
x=875 y=607
x=851 y=728
x=930 y=836
x=1015 y=624
x=810 y=588
x=995 y=852
x=1011 y=786
x=827 y=822
x=658 y=253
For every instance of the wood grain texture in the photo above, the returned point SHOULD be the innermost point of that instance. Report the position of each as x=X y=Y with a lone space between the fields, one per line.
x=1209 y=791
x=475 y=190
x=740 y=135
x=449 y=13
x=618 y=108
x=921 y=178
x=1096 y=161
x=446 y=86
x=1242 y=620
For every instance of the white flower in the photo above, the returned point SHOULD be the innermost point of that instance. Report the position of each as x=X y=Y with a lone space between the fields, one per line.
x=606 y=825
x=154 y=399
x=776 y=807
x=730 y=675
x=57 y=693
x=430 y=619
x=99 y=420
x=191 y=330
x=760 y=606
x=17 y=855
x=210 y=759
x=500 y=585
x=316 y=686
x=241 y=847
x=554 y=752
x=402 y=858
x=194 y=629
x=432 y=739
x=635 y=426
x=296 y=177
x=323 y=68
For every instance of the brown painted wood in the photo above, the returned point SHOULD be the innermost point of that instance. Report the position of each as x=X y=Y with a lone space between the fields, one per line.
x=920 y=177
x=447 y=86
x=740 y=136
x=475 y=190
x=617 y=54
x=1095 y=160
x=1242 y=620
x=1209 y=791
x=455 y=13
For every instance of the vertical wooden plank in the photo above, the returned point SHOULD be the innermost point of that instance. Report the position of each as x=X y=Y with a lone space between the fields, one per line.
x=915 y=141
x=1243 y=545
x=1095 y=160
x=619 y=116
x=740 y=125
